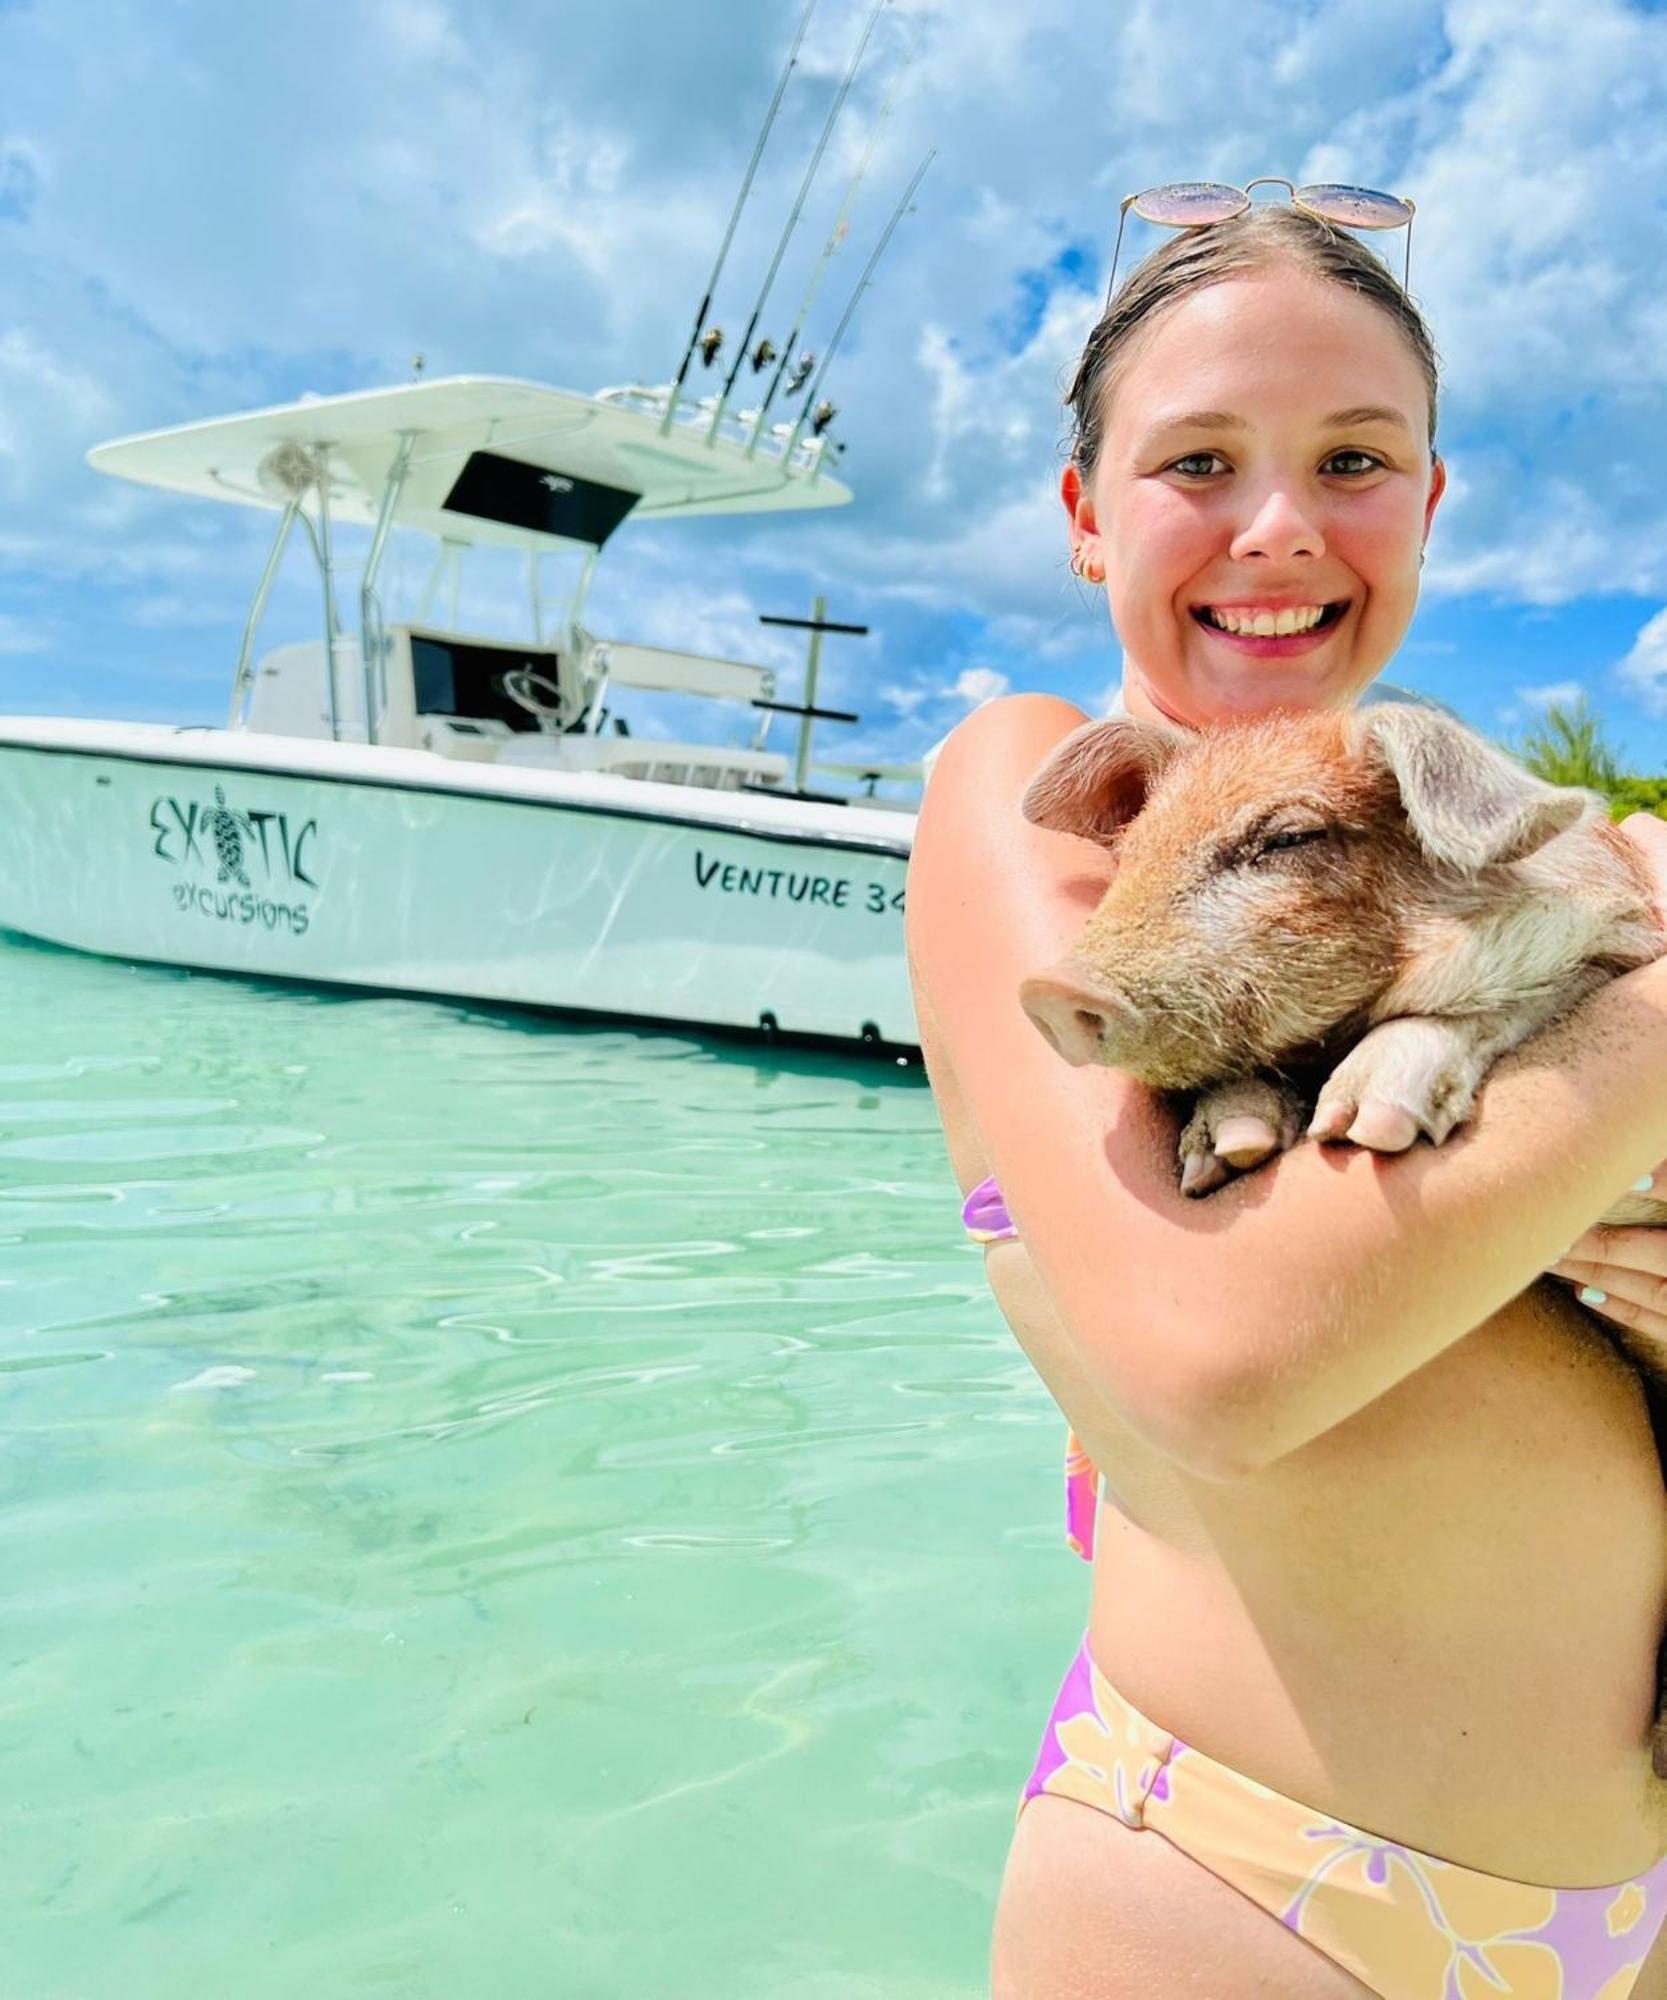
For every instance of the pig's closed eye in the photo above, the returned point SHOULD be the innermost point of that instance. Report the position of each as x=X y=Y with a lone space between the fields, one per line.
x=1287 y=837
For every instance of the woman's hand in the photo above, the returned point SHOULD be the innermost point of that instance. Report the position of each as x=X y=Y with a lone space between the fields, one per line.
x=1649 y=835
x=1621 y=1274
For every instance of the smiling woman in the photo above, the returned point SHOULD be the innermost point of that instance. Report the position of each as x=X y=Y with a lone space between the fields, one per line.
x=1287 y=504
x=1376 y=1501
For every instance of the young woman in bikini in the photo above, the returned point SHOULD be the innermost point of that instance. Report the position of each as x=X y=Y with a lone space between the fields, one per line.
x=1380 y=1561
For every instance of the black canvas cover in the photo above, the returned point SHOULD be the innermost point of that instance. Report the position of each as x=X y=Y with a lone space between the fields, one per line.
x=508 y=490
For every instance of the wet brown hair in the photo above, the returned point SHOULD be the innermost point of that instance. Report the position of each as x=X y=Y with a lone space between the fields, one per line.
x=1265 y=237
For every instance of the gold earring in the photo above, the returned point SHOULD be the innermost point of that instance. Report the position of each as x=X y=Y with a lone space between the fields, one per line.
x=1076 y=562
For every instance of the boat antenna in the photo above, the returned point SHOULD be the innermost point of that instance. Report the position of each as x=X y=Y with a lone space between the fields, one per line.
x=836 y=236
x=792 y=220
x=897 y=215
x=735 y=216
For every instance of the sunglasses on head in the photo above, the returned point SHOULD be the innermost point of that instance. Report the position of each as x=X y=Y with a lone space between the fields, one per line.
x=1195 y=204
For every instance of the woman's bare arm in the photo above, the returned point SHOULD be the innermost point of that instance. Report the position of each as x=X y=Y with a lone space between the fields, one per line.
x=1233 y=1330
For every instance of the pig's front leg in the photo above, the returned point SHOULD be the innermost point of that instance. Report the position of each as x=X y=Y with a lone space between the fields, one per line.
x=1419 y=1073
x=1235 y=1126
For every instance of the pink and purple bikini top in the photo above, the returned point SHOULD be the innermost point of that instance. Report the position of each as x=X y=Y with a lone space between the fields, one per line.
x=984 y=1215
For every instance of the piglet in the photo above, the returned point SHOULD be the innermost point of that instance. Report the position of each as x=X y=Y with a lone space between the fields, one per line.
x=1353 y=911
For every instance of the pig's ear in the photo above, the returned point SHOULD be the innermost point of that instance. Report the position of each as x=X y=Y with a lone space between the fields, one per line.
x=1467 y=803
x=1097 y=778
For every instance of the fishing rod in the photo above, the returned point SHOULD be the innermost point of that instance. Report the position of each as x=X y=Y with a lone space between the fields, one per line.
x=898 y=213
x=735 y=217
x=836 y=236
x=792 y=220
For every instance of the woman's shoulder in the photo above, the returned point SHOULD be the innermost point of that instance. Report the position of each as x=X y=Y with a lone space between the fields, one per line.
x=995 y=713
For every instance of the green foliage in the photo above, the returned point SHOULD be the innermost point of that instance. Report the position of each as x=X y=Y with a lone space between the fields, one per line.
x=1568 y=748
x=1633 y=795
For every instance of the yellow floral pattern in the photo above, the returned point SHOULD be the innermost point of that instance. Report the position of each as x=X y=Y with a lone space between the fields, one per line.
x=1412 y=1926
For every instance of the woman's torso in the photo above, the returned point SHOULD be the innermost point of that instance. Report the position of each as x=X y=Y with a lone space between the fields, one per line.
x=1439 y=1621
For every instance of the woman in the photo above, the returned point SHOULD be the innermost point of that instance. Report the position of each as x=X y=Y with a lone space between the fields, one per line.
x=1380 y=1568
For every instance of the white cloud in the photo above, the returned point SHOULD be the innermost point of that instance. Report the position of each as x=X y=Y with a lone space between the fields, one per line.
x=977 y=685
x=1644 y=670
x=1560 y=694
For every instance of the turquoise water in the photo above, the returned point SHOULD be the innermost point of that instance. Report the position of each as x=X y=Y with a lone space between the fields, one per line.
x=494 y=1507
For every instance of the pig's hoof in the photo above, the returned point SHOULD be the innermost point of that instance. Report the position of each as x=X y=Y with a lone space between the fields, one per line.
x=1383 y=1128
x=1245 y=1141
x=1408 y=1075
x=1203 y=1173
x=1236 y=1126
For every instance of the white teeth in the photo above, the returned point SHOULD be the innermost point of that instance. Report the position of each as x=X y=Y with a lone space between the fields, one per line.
x=1267 y=624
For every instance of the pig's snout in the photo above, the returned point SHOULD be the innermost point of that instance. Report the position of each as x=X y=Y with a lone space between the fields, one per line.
x=1081 y=1016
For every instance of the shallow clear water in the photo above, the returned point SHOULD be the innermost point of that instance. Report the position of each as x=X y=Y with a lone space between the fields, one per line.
x=498 y=1507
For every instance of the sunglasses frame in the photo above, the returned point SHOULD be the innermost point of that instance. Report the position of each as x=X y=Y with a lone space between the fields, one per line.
x=1262 y=180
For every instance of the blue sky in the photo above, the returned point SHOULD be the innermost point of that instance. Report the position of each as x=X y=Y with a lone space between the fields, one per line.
x=206 y=209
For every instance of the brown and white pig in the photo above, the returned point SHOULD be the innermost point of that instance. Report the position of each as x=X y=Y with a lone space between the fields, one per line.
x=1348 y=913
x=1359 y=911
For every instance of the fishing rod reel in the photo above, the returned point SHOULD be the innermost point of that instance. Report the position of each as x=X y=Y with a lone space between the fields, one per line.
x=707 y=337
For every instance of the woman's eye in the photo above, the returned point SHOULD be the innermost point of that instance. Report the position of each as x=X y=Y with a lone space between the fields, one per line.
x=1369 y=463
x=1193 y=458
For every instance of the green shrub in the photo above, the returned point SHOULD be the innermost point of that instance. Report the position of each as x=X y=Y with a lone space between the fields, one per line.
x=1632 y=795
x=1568 y=748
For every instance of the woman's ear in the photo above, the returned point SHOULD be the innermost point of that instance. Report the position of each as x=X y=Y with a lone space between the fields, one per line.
x=1438 y=486
x=1079 y=505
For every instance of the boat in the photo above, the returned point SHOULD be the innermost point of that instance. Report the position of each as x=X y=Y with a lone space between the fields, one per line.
x=419 y=807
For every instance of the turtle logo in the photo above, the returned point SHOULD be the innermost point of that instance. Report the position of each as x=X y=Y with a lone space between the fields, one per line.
x=227 y=829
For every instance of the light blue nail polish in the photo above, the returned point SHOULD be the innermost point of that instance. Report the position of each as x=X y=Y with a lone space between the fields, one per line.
x=1645 y=1184
x=1591 y=1296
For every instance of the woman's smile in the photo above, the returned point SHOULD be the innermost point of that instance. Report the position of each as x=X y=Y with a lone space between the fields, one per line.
x=1269 y=633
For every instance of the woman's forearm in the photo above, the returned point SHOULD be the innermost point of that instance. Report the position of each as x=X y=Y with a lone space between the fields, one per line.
x=1441 y=1238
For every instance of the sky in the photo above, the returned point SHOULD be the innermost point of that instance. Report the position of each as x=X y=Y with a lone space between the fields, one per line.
x=206 y=209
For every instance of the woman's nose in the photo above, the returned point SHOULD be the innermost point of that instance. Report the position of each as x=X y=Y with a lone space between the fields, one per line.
x=1281 y=527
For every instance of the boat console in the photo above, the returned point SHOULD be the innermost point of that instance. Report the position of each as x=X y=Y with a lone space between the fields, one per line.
x=495 y=701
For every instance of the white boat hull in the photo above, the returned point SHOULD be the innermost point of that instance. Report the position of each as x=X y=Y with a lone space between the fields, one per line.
x=355 y=865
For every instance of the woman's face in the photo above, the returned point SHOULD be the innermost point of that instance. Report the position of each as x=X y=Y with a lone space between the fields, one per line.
x=1266 y=449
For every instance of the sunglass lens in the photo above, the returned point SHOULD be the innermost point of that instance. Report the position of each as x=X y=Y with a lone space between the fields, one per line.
x=1189 y=204
x=1356 y=208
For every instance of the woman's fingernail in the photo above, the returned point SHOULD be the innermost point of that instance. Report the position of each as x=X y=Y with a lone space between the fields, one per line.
x=1590 y=1295
x=1644 y=1184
